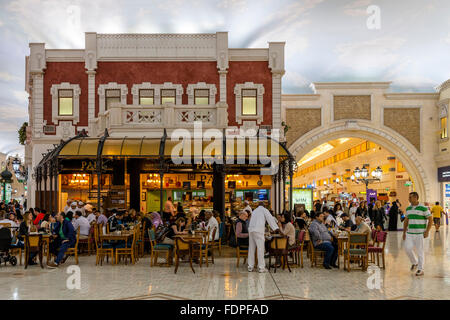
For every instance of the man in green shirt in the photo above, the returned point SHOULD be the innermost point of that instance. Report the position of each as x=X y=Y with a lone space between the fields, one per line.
x=416 y=227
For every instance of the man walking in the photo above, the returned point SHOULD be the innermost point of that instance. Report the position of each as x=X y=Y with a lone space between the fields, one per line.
x=437 y=211
x=256 y=236
x=415 y=229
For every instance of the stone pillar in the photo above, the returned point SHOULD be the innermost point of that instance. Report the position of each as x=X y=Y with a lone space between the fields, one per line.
x=276 y=64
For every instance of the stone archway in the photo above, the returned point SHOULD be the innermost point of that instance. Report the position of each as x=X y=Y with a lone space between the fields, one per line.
x=401 y=148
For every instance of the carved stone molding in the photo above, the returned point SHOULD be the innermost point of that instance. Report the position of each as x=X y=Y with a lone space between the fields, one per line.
x=301 y=121
x=111 y=85
x=75 y=118
x=201 y=85
x=259 y=117
x=405 y=121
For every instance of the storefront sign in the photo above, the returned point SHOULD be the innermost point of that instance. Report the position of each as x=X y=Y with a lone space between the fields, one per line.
x=303 y=196
x=371 y=194
x=444 y=174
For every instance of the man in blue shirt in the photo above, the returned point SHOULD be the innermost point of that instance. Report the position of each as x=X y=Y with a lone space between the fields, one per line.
x=65 y=239
x=322 y=239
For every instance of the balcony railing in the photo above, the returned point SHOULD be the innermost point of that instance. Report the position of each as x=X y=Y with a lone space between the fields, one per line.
x=132 y=118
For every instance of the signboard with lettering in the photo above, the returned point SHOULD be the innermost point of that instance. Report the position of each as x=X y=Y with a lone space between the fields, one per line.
x=444 y=174
x=303 y=196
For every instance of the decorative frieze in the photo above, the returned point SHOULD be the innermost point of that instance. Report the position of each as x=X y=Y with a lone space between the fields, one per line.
x=405 y=121
x=301 y=121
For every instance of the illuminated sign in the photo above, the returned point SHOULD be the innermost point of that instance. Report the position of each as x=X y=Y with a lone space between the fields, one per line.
x=303 y=196
x=444 y=174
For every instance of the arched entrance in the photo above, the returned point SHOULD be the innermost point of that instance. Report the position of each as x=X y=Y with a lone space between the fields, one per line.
x=405 y=152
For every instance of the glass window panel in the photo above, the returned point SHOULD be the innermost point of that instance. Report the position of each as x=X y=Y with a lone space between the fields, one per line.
x=248 y=105
x=109 y=101
x=167 y=100
x=146 y=101
x=65 y=106
x=202 y=100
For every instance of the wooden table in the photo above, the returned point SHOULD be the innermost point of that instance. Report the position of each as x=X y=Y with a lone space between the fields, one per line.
x=115 y=237
x=341 y=240
x=190 y=237
x=46 y=237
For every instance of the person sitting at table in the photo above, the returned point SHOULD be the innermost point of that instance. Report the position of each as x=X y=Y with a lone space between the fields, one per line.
x=101 y=218
x=116 y=221
x=175 y=228
x=322 y=240
x=82 y=223
x=73 y=208
x=80 y=207
x=211 y=225
x=329 y=219
x=39 y=217
x=287 y=228
x=362 y=227
x=156 y=219
x=45 y=224
x=347 y=224
x=301 y=220
x=91 y=216
x=242 y=229
x=132 y=216
x=65 y=239
x=201 y=219
x=26 y=226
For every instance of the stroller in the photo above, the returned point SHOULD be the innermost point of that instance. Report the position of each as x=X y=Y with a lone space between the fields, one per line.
x=5 y=246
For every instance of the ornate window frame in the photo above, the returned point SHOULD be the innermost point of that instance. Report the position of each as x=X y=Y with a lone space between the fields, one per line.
x=145 y=85
x=259 y=117
x=201 y=85
x=54 y=91
x=443 y=113
x=169 y=85
x=111 y=85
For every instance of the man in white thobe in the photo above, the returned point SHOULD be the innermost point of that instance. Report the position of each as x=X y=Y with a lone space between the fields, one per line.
x=212 y=224
x=256 y=236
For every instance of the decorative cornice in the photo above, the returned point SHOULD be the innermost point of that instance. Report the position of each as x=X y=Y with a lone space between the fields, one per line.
x=300 y=97
x=349 y=85
x=444 y=85
x=411 y=96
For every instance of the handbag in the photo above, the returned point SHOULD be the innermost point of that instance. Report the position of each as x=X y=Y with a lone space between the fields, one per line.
x=161 y=233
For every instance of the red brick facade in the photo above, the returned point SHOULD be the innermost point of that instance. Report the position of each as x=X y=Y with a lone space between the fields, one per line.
x=183 y=73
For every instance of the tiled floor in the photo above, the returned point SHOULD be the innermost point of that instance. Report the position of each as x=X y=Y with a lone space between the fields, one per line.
x=224 y=281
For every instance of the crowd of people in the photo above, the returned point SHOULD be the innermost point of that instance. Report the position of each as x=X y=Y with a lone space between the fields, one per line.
x=250 y=224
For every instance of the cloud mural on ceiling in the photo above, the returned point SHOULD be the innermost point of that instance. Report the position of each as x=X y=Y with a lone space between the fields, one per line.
x=326 y=40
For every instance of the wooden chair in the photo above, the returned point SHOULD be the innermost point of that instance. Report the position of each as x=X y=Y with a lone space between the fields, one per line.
x=157 y=248
x=313 y=252
x=17 y=250
x=297 y=250
x=378 y=247
x=102 y=249
x=240 y=250
x=73 y=251
x=140 y=241
x=86 y=242
x=183 y=248
x=217 y=244
x=207 y=248
x=33 y=243
x=129 y=249
x=357 y=250
x=279 y=249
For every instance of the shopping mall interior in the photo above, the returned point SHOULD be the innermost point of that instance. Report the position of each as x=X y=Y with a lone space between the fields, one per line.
x=329 y=171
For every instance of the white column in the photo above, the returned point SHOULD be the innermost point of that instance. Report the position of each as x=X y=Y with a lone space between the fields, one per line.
x=38 y=104
x=276 y=100
x=223 y=85
x=91 y=103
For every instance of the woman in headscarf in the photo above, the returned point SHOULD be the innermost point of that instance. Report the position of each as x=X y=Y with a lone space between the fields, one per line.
x=156 y=219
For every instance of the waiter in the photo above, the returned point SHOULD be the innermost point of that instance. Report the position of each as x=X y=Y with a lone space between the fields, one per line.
x=256 y=236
